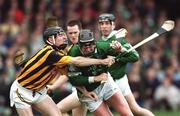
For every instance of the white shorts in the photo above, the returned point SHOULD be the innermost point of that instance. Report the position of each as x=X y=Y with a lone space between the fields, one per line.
x=103 y=91
x=23 y=98
x=123 y=85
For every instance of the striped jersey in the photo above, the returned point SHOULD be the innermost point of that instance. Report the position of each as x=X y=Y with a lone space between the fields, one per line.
x=36 y=73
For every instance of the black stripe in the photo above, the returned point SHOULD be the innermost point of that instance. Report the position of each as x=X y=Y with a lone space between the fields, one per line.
x=36 y=69
x=39 y=77
x=49 y=78
x=54 y=57
x=33 y=62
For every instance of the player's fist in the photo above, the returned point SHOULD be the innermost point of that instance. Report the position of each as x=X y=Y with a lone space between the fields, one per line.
x=117 y=46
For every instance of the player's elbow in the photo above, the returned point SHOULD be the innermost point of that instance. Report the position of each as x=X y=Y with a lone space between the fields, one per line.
x=136 y=57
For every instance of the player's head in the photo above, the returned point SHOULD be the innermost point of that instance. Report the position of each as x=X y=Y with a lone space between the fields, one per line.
x=73 y=29
x=87 y=42
x=56 y=37
x=106 y=23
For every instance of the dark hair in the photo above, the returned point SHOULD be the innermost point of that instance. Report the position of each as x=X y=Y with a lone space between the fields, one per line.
x=73 y=23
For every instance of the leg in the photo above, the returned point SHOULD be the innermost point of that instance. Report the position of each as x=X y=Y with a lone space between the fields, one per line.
x=136 y=109
x=69 y=103
x=126 y=91
x=102 y=110
x=22 y=108
x=118 y=102
x=24 y=112
x=47 y=107
x=79 y=111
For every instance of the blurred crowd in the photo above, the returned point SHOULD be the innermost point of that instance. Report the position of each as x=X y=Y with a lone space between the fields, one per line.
x=154 y=79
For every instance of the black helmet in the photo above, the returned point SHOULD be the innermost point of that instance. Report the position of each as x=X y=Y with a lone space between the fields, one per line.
x=51 y=31
x=86 y=35
x=106 y=17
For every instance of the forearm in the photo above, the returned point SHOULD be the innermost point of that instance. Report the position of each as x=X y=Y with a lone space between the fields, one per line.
x=85 y=81
x=61 y=80
x=82 y=61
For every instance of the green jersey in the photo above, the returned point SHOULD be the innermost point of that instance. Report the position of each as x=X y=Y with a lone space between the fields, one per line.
x=78 y=76
x=118 y=69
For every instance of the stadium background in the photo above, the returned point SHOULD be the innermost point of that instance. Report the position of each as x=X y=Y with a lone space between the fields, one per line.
x=22 y=23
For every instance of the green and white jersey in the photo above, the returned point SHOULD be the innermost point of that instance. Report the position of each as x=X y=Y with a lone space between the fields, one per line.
x=78 y=76
x=118 y=69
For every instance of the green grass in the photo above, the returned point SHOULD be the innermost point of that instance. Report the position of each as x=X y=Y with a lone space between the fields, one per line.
x=167 y=113
x=157 y=113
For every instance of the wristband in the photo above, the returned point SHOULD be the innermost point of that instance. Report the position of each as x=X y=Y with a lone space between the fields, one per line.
x=91 y=79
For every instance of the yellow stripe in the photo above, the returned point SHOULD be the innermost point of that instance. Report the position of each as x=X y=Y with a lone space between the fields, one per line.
x=33 y=77
x=38 y=83
x=64 y=60
x=35 y=66
x=31 y=60
x=43 y=84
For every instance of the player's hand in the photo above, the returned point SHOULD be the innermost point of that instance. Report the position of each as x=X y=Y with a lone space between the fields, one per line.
x=111 y=60
x=101 y=78
x=117 y=46
x=91 y=95
x=108 y=61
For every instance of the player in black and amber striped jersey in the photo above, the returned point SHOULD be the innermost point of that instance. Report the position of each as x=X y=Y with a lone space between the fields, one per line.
x=36 y=72
x=29 y=89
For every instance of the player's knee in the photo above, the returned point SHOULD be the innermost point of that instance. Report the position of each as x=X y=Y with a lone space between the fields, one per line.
x=61 y=108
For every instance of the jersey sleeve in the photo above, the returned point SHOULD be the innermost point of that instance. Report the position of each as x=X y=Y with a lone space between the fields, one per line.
x=56 y=58
x=75 y=76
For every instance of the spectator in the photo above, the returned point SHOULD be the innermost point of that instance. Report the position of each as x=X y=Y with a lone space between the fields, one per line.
x=167 y=95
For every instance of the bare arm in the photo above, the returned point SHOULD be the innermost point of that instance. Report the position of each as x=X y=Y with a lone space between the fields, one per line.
x=61 y=80
x=81 y=80
x=82 y=61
